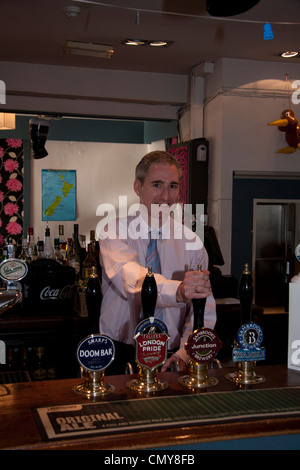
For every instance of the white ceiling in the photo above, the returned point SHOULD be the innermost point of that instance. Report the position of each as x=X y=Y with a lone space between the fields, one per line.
x=34 y=31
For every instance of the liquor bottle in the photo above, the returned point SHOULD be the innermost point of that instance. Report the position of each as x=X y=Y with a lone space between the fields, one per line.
x=198 y=307
x=24 y=255
x=62 y=242
x=31 y=247
x=48 y=249
x=69 y=248
x=19 y=248
x=88 y=264
x=24 y=359
x=40 y=369
x=96 y=252
x=81 y=252
x=73 y=260
x=4 y=251
x=40 y=249
x=57 y=256
x=149 y=294
x=93 y=295
x=93 y=241
x=246 y=295
x=11 y=360
x=82 y=241
x=10 y=248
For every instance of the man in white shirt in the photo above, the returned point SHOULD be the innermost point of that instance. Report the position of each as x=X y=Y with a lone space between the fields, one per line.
x=124 y=268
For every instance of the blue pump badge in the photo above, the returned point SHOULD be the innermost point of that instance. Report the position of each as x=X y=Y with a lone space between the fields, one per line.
x=95 y=352
x=250 y=337
x=151 y=324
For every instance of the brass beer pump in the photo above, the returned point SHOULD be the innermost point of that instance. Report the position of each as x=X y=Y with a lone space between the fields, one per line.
x=247 y=350
x=151 y=337
x=202 y=346
x=95 y=352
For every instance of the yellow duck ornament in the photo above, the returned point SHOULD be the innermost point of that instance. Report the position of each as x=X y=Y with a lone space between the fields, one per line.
x=288 y=124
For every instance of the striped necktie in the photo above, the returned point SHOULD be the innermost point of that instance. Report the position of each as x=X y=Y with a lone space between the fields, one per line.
x=152 y=259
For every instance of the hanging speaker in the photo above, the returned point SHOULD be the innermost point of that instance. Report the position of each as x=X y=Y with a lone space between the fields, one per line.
x=229 y=7
x=38 y=136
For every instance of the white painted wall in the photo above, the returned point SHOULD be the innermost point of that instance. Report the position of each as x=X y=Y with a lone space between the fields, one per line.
x=103 y=172
x=241 y=98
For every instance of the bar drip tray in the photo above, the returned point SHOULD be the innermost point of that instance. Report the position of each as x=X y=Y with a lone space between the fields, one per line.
x=13 y=377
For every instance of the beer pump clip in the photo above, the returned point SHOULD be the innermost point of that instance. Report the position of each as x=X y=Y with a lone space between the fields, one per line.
x=94 y=354
x=202 y=346
x=12 y=270
x=247 y=348
x=151 y=341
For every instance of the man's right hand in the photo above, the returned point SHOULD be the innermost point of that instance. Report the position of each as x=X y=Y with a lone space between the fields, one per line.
x=196 y=285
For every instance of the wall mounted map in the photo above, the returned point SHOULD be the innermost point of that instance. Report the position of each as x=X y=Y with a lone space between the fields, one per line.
x=58 y=195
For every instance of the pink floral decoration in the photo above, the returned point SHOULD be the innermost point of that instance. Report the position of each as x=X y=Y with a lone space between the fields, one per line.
x=14 y=143
x=14 y=185
x=11 y=165
x=14 y=228
x=10 y=208
x=11 y=189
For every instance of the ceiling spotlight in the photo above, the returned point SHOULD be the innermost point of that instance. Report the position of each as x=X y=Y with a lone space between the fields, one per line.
x=146 y=42
x=158 y=43
x=88 y=49
x=289 y=54
x=134 y=42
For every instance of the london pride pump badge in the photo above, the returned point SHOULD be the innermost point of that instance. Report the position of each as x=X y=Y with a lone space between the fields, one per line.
x=151 y=338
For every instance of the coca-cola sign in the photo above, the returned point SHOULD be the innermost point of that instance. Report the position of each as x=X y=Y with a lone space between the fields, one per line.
x=52 y=293
x=49 y=289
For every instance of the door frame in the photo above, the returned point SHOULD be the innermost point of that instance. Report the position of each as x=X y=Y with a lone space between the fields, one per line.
x=270 y=201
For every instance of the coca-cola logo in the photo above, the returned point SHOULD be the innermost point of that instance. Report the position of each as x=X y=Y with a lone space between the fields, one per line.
x=52 y=293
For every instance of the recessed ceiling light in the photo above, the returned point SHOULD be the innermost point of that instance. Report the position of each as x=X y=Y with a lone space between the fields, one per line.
x=289 y=54
x=146 y=42
x=135 y=42
x=158 y=43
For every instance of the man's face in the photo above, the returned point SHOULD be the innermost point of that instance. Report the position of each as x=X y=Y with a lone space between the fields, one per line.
x=160 y=186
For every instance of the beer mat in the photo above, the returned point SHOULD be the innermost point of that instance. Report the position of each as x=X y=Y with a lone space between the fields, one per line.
x=86 y=419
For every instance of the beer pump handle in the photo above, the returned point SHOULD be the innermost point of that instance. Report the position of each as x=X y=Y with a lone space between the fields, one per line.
x=246 y=295
x=199 y=307
x=149 y=294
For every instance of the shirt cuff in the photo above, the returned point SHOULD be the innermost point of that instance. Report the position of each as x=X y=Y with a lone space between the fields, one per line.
x=167 y=293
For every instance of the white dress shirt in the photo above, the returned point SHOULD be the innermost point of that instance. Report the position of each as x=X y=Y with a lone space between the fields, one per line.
x=124 y=269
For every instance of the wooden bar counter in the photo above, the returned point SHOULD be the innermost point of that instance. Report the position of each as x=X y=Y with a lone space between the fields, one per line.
x=19 y=430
